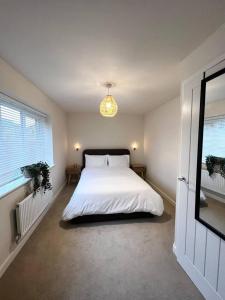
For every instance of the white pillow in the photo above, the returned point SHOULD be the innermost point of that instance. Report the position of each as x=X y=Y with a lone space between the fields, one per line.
x=119 y=161
x=95 y=161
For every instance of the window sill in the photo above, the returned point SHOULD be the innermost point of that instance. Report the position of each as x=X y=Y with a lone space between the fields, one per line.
x=12 y=186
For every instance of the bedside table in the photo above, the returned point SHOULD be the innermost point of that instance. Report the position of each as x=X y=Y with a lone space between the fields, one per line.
x=73 y=171
x=139 y=169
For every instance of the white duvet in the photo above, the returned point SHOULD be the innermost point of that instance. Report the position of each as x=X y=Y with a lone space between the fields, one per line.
x=110 y=191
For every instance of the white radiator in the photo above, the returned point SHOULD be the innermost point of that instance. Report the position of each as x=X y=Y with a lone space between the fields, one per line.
x=29 y=210
x=215 y=183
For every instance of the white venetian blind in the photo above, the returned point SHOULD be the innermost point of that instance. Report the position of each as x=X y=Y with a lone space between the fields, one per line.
x=25 y=138
x=214 y=137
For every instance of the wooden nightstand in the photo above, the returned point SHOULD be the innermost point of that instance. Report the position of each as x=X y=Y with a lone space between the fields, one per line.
x=73 y=171
x=139 y=169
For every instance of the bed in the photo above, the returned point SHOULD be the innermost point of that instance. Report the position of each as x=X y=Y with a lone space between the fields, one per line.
x=111 y=190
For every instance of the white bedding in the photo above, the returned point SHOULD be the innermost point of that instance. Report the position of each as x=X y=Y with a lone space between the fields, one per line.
x=112 y=190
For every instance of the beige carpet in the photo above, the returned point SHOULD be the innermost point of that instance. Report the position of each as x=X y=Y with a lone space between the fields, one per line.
x=116 y=260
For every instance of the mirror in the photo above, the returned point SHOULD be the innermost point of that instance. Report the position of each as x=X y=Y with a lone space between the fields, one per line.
x=210 y=181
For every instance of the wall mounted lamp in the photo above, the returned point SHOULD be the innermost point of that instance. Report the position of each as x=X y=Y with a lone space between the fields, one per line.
x=76 y=146
x=134 y=146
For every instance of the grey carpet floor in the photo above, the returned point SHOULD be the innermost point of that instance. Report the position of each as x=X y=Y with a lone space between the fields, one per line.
x=114 y=260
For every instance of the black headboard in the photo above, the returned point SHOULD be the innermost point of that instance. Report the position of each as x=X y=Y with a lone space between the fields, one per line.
x=104 y=152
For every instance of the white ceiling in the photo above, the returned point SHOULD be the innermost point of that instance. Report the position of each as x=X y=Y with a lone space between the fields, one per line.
x=68 y=48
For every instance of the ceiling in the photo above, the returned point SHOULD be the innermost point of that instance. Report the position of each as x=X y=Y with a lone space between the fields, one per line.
x=68 y=48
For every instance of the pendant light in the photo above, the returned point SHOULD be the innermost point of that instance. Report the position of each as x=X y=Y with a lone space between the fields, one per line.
x=108 y=106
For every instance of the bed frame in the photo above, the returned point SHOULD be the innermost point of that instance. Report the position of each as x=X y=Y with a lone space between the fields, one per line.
x=104 y=152
x=138 y=216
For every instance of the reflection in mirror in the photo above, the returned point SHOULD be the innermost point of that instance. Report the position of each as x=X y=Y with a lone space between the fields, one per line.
x=212 y=186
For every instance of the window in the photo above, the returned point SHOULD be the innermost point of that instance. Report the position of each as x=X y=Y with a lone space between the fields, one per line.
x=214 y=137
x=25 y=138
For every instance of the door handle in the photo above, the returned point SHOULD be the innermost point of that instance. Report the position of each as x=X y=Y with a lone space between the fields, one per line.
x=182 y=179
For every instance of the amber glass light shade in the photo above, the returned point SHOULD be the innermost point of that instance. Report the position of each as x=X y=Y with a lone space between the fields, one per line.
x=108 y=106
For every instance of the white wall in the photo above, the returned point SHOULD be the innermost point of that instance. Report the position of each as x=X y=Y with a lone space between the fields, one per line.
x=161 y=145
x=15 y=85
x=212 y=48
x=162 y=125
x=92 y=130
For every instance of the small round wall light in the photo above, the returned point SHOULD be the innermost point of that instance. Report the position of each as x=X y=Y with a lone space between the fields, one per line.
x=76 y=146
x=134 y=146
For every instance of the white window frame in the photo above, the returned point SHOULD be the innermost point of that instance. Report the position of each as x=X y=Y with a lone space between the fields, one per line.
x=208 y=119
x=21 y=180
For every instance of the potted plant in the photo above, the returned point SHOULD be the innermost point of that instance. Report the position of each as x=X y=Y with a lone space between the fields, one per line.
x=215 y=164
x=39 y=174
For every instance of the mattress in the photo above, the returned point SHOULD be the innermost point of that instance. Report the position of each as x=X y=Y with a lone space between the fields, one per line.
x=111 y=191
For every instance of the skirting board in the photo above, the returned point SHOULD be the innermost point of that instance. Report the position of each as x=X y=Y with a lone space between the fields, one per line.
x=162 y=193
x=14 y=253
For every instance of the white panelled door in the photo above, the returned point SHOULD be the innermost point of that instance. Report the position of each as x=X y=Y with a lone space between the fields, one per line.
x=199 y=251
